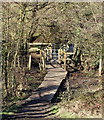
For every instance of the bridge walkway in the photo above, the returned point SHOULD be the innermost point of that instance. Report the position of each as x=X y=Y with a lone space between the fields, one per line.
x=51 y=83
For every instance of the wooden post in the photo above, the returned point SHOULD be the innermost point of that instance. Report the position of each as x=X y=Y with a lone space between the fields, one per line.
x=59 y=56
x=43 y=59
x=51 y=52
x=43 y=63
x=100 y=66
x=48 y=54
x=64 y=60
x=29 y=61
x=81 y=58
x=40 y=66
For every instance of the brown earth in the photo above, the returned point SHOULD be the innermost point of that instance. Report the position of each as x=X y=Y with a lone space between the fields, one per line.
x=86 y=97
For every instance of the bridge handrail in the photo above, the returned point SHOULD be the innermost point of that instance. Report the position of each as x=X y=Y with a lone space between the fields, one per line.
x=46 y=54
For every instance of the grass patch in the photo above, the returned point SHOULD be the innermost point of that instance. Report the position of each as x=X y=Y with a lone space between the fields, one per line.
x=55 y=109
x=6 y=113
x=68 y=115
x=15 y=99
x=11 y=109
x=34 y=85
x=29 y=78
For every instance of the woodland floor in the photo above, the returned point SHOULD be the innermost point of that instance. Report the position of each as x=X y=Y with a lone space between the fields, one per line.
x=86 y=98
x=34 y=78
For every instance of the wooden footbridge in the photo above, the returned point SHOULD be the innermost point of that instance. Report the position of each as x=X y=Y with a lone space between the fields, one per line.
x=54 y=61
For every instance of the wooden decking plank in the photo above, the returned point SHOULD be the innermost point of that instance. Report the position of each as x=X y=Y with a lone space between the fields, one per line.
x=51 y=83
